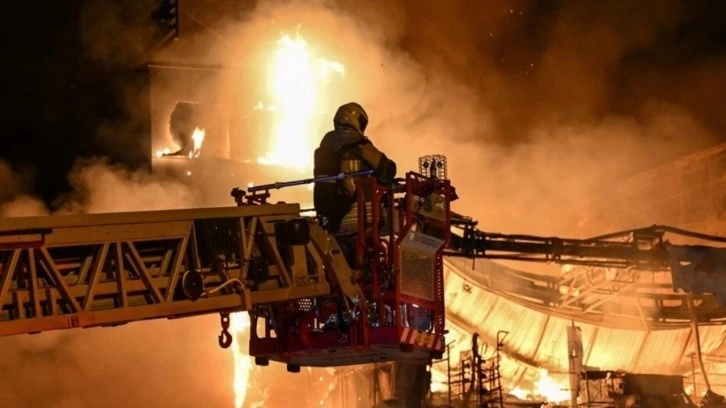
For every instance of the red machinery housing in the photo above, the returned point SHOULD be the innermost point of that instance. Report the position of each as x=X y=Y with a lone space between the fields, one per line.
x=403 y=230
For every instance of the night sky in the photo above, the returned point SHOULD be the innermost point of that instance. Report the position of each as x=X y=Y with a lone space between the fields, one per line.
x=63 y=101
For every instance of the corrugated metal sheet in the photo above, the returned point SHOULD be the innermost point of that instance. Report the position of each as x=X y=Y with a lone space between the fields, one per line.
x=662 y=350
x=538 y=339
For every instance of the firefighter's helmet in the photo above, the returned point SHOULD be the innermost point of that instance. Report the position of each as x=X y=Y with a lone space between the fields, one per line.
x=351 y=115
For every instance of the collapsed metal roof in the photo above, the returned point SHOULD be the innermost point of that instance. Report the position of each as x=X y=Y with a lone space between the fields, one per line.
x=537 y=336
x=631 y=322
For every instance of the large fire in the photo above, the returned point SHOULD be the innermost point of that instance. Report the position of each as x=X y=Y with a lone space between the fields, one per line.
x=298 y=84
x=240 y=323
x=549 y=389
x=545 y=388
x=197 y=140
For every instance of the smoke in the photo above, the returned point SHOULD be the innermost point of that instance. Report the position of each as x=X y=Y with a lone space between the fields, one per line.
x=99 y=186
x=23 y=206
x=15 y=193
x=533 y=125
x=118 y=34
x=117 y=40
x=540 y=107
x=141 y=364
x=144 y=363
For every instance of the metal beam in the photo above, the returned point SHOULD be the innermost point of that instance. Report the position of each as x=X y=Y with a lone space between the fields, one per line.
x=7 y=276
x=604 y=298
x=59 y=282
x=143 y=272
x=95 y=275
x=105 y=272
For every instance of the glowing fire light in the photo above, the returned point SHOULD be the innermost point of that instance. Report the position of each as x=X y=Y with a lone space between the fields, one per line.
x=198 y=139
x=163 y=152
x=297 y=81
x=520 y=393
x=545 y=387
x=550 y=389
x=439 y=386
x=240 y=323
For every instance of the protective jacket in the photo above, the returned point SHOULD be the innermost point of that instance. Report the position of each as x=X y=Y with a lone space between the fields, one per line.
x=345 y=150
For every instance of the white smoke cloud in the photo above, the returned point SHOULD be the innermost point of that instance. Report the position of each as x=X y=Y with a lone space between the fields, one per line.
x=23 y=206
x=540 y=178
x=142 y=364
x=527 y=153
x=101 y=187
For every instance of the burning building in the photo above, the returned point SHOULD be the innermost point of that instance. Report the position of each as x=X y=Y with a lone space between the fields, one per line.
x=252 y=124
x=217 y=125
x=629 y=322
x=251 y=114
x=216 y=129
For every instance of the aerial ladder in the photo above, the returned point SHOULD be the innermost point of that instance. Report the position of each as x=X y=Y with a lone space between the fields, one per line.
x=310 y=302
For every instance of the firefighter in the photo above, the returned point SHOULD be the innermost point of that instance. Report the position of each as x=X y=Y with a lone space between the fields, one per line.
x=346 y=149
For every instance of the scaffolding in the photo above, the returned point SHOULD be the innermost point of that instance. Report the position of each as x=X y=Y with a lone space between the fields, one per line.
x=475 y=381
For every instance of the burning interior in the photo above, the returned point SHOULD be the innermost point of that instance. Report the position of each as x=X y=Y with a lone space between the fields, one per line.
x=217 y=136
x=517 y=335
x=621 y=315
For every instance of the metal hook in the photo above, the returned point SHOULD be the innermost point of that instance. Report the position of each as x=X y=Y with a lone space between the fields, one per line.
x=225 y=338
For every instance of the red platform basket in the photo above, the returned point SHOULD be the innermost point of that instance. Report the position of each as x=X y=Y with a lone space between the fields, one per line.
x=401 y=236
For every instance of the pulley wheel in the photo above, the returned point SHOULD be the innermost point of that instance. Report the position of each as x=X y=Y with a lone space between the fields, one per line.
x=192 y=284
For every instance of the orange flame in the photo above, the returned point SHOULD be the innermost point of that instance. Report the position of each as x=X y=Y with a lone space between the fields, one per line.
x=163 y=152
x=548 y=388
x=240 y=324
x=520 y=393
x=198 y=139
x=297 y=81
